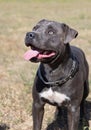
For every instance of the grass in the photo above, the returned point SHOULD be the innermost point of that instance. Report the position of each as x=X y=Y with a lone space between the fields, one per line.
x=16 y=75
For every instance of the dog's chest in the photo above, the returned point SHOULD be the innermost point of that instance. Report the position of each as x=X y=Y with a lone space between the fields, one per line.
x=54 y=96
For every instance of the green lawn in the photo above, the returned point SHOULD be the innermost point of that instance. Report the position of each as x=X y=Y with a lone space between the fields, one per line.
x=16 y=75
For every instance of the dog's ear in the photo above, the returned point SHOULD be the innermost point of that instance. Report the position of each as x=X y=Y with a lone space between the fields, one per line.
x=42 y=21
x=70 y=33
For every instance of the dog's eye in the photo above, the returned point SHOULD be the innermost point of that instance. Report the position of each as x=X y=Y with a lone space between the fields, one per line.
x=50 y=32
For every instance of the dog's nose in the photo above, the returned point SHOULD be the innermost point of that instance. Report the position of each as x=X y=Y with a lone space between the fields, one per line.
x=30 y=35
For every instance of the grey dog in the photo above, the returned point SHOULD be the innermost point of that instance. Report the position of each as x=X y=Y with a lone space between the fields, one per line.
x=62 y=76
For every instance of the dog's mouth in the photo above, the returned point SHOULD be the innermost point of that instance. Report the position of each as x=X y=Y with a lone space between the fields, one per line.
x=35 y=53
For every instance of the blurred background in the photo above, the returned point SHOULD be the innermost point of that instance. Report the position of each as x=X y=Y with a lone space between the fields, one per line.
x=16 y=75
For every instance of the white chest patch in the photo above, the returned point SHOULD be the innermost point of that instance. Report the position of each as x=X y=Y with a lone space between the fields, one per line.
x=54 y=96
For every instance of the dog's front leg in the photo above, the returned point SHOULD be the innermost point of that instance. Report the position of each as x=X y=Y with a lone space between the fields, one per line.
x=73 y=117
x=38 y=112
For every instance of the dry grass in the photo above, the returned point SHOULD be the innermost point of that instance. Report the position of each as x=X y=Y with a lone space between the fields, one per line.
x=16 y=75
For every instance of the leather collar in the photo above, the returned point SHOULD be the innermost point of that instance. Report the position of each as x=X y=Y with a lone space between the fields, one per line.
x=73 y=71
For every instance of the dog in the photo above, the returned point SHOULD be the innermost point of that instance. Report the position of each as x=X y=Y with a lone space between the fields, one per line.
x=62 y=76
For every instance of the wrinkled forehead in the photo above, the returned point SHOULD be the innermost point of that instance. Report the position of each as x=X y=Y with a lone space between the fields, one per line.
x=45 y=24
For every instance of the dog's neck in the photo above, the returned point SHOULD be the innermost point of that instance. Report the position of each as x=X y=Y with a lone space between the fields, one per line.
x=58 y=67
x=62 y=59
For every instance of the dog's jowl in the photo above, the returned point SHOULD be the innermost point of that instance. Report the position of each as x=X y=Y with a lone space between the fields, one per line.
x=62 y=76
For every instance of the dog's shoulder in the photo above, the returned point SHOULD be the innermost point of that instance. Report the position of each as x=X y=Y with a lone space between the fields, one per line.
x=77 y=52
x=76 y=49
x=80 y=56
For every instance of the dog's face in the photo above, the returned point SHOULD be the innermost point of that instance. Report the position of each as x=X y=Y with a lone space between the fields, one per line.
x=48 y=40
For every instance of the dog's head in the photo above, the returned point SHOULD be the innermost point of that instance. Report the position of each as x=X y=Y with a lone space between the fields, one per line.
x=47 y=40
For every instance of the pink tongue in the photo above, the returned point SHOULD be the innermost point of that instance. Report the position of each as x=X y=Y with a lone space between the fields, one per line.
x=30 y=54
x=33 y=53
